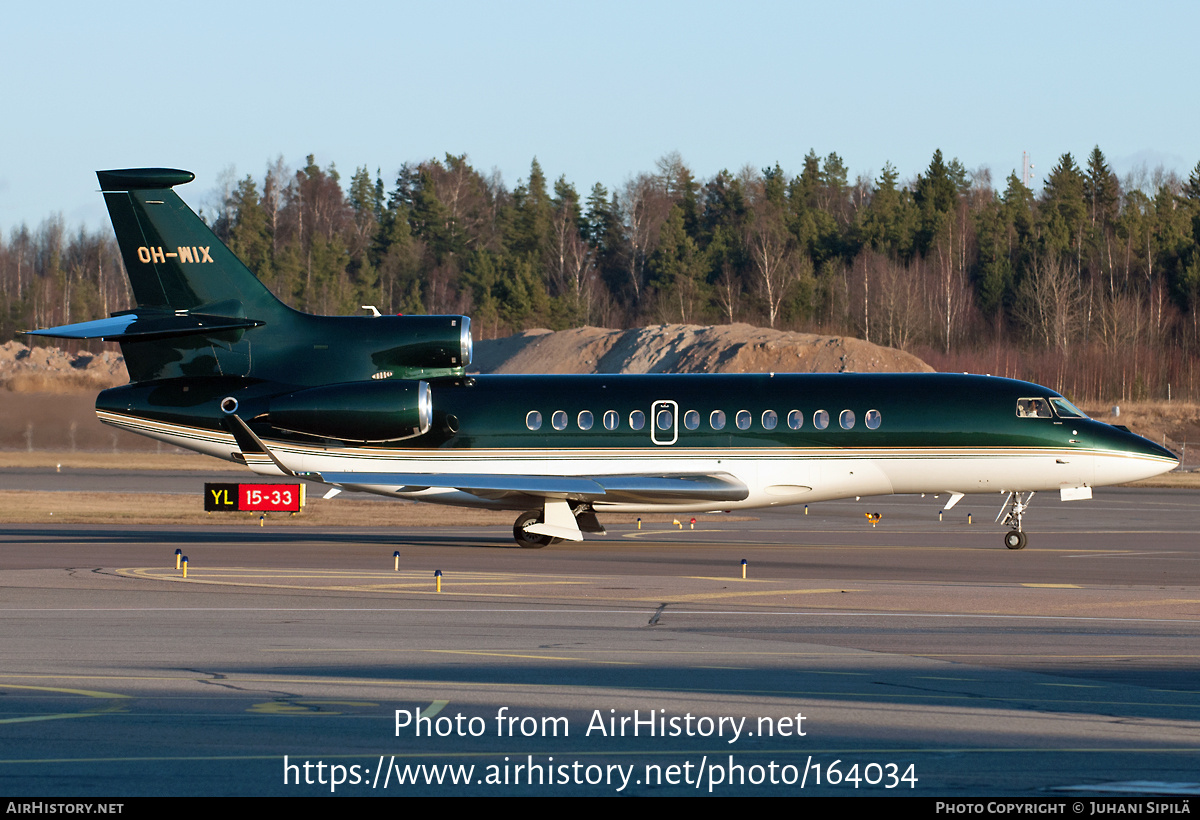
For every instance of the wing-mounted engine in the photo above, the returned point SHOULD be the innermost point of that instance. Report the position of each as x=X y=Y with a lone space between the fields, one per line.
x=367 y=411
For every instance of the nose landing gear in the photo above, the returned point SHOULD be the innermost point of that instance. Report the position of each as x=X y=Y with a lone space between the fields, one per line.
x=1015 y=540
x=1014 y=508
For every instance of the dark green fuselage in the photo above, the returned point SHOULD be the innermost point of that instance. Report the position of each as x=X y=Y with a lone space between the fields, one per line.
x=383 y=403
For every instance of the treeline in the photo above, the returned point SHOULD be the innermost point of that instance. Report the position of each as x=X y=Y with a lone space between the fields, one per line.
x=1091 y=286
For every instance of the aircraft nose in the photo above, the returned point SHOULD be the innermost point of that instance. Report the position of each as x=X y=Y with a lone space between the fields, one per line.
x=1132 y=443
x=1129 y=457
x=1149 y=448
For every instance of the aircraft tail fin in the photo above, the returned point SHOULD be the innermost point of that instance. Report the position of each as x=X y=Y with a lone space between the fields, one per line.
x=174 y=261
x=201 y=313
x=195 y=299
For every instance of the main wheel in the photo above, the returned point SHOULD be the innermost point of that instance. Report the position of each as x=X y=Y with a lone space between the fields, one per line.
x=1015 y=540
x=530 y=540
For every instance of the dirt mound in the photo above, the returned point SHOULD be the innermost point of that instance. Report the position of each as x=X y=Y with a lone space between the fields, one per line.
x=51 y=370
x=687 y=349
x=657 y=349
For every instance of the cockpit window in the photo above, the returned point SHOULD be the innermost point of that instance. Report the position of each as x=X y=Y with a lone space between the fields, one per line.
x=1033 y=409
x=1067 y=410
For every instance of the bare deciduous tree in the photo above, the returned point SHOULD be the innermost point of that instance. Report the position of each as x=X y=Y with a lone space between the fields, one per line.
x=777 y=262
x=644 y=209
x=1049 y=302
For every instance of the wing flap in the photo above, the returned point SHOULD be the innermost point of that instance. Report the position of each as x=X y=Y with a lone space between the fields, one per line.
x=681 y=487
x=544 y=486
x=718 y=487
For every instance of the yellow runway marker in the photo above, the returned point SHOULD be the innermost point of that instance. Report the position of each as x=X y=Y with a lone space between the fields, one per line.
x=1053 y=586
x=67 y=716
x=280 y=708
x=1071 y=685
x=735 y=668
x=411 y=583
x=711 y=596
x=726 y=578
x=87 y=693
x=529 y=657
x=433 y=708
x=304 y=706
x=365 y=704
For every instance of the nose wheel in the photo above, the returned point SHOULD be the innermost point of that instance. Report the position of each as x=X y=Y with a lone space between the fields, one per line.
x=1015 y=540
x=1014 y=508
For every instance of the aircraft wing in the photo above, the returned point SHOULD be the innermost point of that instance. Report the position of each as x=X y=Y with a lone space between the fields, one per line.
x=680 y=488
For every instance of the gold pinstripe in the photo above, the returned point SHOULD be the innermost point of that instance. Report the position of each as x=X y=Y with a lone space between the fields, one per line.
x=138 y=424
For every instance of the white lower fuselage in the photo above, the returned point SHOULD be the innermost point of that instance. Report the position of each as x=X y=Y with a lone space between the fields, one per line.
x=773 y=477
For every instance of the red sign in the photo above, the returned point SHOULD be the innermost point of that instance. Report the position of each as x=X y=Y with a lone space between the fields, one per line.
x=269 y=497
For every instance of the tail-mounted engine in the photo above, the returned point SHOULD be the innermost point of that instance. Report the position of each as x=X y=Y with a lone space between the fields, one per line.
x=367 y=411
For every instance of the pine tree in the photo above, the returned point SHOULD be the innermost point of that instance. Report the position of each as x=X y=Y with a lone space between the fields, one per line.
x=1064 y=210
x=1101 y=190
x=248 y=236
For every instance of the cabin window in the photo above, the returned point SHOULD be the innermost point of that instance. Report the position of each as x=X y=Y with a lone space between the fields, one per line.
x=533 y=420
x=559 y=420
x=691 y=419
x=611 y=419
x=770 y=419
x=664 y=419
x=846 y=419
x=795 y=419
x=1067 y=410
x=637 y=419
x=874 y=419
x=743 y=419
x=717 y=420
x=584 y=420
x=1035 y=408
x=820 y=419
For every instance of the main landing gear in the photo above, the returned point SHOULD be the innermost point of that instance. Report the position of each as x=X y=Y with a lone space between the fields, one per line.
x=557 y=521
x=530 y=540
x=1014 y=507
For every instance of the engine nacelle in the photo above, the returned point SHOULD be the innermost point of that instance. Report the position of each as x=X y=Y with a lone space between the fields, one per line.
x=367 y=411
x=417 y=341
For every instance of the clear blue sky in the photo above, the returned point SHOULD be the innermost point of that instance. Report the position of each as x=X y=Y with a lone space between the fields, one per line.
x=596 y=91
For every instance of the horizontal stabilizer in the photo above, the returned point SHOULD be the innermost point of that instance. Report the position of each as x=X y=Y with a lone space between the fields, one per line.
x=145 y=326
x=133 y=179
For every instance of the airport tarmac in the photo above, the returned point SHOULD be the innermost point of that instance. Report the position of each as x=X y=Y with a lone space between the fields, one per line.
x=924 y=657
